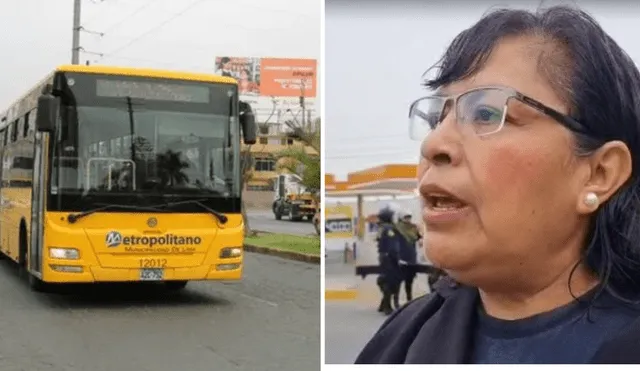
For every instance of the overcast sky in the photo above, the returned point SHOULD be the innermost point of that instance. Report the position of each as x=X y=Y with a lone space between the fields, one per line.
x=174 y=34
x=376 y=52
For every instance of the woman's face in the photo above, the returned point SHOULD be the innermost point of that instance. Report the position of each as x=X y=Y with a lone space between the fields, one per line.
x=520 y=185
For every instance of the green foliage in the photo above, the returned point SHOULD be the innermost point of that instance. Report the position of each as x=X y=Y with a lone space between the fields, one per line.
x=303 y=244
x=297 y=161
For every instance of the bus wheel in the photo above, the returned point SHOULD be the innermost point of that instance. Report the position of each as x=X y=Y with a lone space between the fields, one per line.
x=37 y=284
x=23 y=247
x=175 y=285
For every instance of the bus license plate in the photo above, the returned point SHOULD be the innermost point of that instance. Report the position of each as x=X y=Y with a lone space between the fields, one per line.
x=151 y=274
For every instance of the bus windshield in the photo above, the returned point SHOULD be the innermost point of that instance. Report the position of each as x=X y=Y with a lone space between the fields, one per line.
x=121 y=138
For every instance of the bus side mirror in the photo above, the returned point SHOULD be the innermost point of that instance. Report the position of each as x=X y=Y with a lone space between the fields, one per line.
x=248 y=123
x=46 y=114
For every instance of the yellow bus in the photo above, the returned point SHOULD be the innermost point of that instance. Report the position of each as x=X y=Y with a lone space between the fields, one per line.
x=116 y=174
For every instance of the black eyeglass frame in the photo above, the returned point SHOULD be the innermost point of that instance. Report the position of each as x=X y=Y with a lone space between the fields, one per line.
x=566 y=120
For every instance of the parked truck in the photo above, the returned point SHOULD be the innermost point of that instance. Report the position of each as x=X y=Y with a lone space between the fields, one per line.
x=292 y=199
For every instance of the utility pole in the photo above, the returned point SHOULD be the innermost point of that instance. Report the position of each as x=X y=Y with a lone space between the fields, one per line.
x=75 y=48
x=302 y=104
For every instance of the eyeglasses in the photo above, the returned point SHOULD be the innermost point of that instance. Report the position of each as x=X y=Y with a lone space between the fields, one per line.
x=484 y=109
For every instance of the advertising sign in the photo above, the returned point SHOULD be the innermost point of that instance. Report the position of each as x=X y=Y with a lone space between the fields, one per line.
x=338 y=222
x=271 y=77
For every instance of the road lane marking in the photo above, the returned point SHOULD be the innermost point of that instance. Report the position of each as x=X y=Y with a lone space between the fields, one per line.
x=269 y=303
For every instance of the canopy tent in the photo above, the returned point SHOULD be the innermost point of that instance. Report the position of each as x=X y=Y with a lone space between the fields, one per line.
x=385 y=180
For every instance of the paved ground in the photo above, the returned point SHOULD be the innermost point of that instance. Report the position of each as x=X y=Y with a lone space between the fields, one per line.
x=350 y=323
x=348 y=327
x=269 y=321
x=263 y=220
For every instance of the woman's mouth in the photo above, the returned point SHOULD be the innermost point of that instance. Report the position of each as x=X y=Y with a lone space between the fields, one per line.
x=443 y=208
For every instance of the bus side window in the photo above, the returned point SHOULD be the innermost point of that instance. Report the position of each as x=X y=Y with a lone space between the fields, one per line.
x=25 y=125
x=14 y=131
x=31 y=127
x=7 y=138
x=20 y=123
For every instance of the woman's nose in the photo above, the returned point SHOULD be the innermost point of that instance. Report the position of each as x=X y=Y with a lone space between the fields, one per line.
x=442 y=145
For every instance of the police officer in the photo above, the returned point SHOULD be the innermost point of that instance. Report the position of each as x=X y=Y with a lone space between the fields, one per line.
x=390 y=277
x=409 y=237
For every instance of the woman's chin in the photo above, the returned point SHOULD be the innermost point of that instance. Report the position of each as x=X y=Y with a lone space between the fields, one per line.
x=451 y=257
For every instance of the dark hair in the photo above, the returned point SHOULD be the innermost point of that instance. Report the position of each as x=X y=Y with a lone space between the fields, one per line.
x=601 y=86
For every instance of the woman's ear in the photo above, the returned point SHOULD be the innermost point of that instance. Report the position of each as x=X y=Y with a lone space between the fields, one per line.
x=611 y=166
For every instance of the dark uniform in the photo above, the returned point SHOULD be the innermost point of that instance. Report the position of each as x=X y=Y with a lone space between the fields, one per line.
x=390 y=277
x=409 y=237
x=433 y=278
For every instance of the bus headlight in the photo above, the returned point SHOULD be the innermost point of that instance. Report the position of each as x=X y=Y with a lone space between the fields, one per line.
x=230 y=252
x=63 y=253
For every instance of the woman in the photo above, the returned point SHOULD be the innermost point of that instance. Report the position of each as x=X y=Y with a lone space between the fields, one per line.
x=530 y=183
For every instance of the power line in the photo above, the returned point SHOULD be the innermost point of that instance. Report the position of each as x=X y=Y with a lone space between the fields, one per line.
x=372 y=137
x=77 y=28
x=98 y=14
x=153 y=29
x=274 y=10
x=135 y=12
x=351 y=149
x=366 y=154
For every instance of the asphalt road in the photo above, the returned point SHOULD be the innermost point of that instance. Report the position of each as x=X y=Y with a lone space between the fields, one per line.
x=263 y=220
x=269 y=321
x=348 y=327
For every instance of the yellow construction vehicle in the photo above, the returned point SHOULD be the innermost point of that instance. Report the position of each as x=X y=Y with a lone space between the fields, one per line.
x=293 y=199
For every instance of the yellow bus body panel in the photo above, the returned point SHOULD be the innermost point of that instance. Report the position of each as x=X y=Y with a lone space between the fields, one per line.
x=147 y=72
x=10 y=217
x=101 y=263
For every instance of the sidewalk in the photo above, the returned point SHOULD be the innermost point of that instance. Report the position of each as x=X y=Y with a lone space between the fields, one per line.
x=340 y=279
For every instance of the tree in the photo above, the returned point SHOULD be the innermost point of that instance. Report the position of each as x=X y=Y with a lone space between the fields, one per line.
x=171 y=168
x=297 y=158
x=307 y=133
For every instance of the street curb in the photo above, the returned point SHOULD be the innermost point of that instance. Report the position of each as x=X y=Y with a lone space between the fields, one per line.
x=305 y=258
x=344 y=294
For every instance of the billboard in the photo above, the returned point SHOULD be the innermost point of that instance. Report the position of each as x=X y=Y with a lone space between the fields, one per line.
x=270 y=77
x=338 y=222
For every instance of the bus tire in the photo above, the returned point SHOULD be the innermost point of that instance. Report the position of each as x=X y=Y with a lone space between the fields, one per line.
x=24 y=246
x=175 y=285
x=36 y=284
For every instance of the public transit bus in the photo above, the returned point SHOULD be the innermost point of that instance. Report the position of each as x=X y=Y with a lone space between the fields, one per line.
x=123 y=174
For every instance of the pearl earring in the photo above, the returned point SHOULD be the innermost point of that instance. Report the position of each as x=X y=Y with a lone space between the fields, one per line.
x=591 y=199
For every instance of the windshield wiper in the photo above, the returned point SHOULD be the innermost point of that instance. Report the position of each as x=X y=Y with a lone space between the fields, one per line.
x=221 y=217
x=72 y=218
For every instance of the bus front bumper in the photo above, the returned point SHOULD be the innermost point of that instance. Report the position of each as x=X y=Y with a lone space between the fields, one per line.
x=70 y=273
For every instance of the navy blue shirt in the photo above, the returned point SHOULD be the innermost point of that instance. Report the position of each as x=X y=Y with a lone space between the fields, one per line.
x=570 y=334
